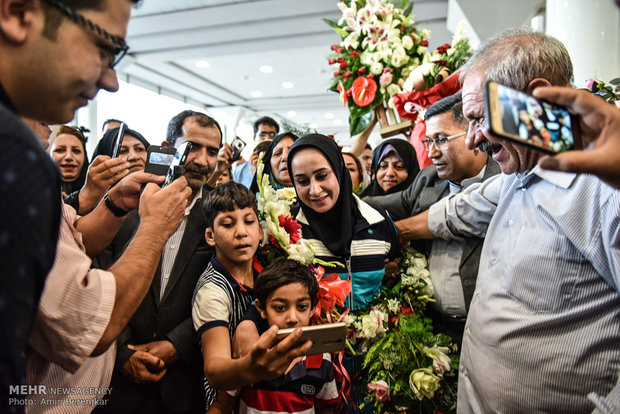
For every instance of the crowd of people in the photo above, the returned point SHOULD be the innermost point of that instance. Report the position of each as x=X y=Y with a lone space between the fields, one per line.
x=120 y=296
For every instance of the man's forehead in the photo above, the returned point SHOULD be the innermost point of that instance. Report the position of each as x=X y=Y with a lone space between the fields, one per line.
x=266 y=126
x=441 y=123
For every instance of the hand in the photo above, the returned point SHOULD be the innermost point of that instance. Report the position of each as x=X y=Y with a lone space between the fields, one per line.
x=254 y=162
x=164 y=350
x=105 y=171
x=224 y=156
x=269 y=358
x=164 y=208
x=126 y=194
x=143 y=367
x=600 y=128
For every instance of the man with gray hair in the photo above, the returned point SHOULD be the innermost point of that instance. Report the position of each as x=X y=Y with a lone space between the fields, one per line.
x=543 y=327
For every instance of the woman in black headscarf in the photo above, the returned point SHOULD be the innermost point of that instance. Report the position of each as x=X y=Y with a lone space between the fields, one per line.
x=337 y=223
x=133 y=148
x=275 y=162
x=394 y=167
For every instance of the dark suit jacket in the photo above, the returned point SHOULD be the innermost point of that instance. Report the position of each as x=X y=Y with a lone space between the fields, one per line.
x=169 y=318
x=425 y=191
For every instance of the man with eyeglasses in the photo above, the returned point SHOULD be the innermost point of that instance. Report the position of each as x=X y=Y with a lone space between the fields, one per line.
x=265 y=128
x=54 y=57
x=453 y=264
x=543 y=326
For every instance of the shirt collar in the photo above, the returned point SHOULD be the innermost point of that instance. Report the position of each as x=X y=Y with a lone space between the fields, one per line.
x=197 y=197
x=557 y=178
x=455 y=188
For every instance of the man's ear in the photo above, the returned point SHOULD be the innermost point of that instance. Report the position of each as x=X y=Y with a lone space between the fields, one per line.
x=18 y=17
x=209 y=237
x=260 y=309
x=536 y=83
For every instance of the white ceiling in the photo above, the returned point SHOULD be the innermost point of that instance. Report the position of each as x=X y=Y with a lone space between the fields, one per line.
x=236 y=38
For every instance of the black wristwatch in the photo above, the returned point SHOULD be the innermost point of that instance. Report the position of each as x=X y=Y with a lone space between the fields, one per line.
x=116 y=210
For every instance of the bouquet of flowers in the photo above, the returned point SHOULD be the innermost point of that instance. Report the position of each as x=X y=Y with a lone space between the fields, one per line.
x=381 y=45
x=408 y=366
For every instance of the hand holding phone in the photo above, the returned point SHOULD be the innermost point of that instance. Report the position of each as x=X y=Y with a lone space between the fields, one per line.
x=158 y=159
x=237 y=146
x=525 y=120
x=177 y=165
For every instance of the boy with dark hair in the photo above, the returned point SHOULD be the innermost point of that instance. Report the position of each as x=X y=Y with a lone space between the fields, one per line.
x=286 y=295
x=224 y=292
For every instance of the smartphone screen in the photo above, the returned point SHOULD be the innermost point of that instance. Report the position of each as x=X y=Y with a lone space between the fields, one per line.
x=529 y=121
x=177 y=162
x=119 y=140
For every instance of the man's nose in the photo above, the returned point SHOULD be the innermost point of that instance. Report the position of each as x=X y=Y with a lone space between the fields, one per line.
x=108 y=80
x=434 y=152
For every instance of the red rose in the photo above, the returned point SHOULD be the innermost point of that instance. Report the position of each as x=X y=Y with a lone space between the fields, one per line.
x=346 y=75
x=332 y=61
x=343 y=65
x=355 y=54
x=336 y=73
x=424 y=43
x=361 y=71
x=334 y=47
x=339 y=50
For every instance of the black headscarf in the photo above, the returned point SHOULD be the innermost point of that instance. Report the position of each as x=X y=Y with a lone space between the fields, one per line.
x=106 y=144
x=407 y=153
x=267 y=162
x=335 y=227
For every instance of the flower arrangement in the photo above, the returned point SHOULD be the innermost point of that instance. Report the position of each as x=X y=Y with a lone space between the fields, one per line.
x=381 y=44
x=408 y=366
x=610 y=92
x=281 y=231
x=383 y=53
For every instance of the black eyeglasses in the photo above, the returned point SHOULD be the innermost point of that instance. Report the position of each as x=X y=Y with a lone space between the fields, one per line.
x=265 y=134
x=440 y=142
x=113 y=54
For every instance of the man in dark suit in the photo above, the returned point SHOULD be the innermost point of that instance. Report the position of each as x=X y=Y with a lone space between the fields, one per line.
x=453 y=264
x=159 y=361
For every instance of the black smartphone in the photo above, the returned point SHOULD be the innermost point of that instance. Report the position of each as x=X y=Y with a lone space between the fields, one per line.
x=328 y=337
x=523 y=119
x=119 y=140
x=237 y=146
x=158 y=159
x=176 y=168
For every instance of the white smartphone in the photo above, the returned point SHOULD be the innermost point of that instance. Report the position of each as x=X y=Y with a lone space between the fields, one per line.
x=327 y=337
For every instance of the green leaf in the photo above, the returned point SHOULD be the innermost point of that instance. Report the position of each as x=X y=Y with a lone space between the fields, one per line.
x=341 y=32
x=332 y=23
x=615 y=81
x=360 y=121
x=407 y=10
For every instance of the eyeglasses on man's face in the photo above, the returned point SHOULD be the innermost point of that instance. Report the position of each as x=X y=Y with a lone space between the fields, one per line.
x=441 y=142
x=112 y=54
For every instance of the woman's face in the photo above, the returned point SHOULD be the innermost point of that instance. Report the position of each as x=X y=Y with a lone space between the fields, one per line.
x=68 y=153
x=351 y=165
x=315 y=181
x=391 y=172
x=279 y=169
x=135 y=152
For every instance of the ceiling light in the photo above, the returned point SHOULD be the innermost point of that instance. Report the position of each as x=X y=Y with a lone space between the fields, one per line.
x=291 y=113
x=337 y=122
x=203 y=64
x=266 y=69
x=314 y=125
x=287 y=85
x=256 y=94
x=329 y=115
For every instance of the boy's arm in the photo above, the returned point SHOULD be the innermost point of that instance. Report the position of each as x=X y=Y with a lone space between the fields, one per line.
x=266 y=360
x=245 y=336
x=223 y=404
